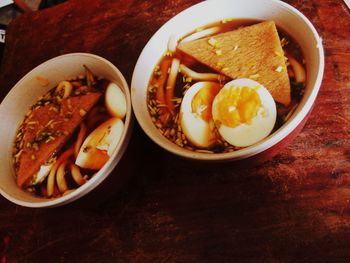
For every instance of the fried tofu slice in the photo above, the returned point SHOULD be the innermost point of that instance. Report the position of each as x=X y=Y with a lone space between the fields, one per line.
x=47 y=129
x=249 y=52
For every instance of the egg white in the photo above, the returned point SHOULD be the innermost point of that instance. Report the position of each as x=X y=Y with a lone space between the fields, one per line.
x=115 y=101
x=262 y=124
x=41 y=174
x=196 y=130
x=100 y=144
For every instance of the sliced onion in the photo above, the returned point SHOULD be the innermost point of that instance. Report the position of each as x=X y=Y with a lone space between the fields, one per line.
x=201 y=34
x=299 y=71
x=50 y=186
x=200 y=76
x=52 y=175
x=172 y=43
x=80 y=139
x=67 y=88
x=60 y=179
x=78 y=178
x=170 y=87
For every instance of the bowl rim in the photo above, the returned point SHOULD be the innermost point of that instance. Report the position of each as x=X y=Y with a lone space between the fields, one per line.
x=103 y=173
x=249 y=151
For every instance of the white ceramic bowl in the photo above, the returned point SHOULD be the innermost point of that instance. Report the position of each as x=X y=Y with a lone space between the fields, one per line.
x=25 y=93
x=285 y=16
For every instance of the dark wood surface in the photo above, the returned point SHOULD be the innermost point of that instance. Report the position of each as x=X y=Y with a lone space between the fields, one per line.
x=294 y=208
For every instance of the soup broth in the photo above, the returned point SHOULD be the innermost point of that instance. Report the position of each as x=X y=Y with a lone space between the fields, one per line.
x=68 y=135
x=165 y=100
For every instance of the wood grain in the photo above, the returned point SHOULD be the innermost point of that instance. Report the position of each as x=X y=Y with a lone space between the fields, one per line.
x=294 y=208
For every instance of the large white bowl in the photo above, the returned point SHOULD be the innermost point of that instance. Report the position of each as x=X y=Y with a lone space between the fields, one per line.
x=285 y=16
x=25 y=93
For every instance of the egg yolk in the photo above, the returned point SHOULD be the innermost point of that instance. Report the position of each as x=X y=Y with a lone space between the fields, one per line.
x=237 y=105
x=202 y=101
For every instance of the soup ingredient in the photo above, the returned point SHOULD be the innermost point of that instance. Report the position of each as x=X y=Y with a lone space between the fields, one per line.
x=78 y=178
x=100 y=144
x=249 y=52
x=196 y=116
x=244 y=112
x=47 y=128
x=115 y=101
x=49 y=143
x=200 y=33
x=169 y=89
x=41 y=174
x=160 y=76
x=89 y=76
x=60 y=179
x=51 y=179
x=80 y=138
x=249 y=49
x=172 y=43
x=200 y=76
x=298 y=70
x=64 y=89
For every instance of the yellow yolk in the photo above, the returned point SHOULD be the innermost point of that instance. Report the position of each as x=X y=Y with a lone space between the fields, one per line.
x=237 y=105
x=244 y=112
x=202 y=101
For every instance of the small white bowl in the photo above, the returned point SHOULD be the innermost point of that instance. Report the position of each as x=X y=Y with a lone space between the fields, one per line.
x=25 y=93
x=285 y=16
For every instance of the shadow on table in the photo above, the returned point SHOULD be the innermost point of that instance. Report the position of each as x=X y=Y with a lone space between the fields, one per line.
x=166 y=209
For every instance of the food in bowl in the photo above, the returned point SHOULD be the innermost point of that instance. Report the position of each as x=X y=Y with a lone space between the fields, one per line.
x=68 y=135
x=226 y=86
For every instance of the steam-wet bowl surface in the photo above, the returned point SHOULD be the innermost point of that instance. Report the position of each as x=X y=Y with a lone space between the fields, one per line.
x=287 y=18
x=26 y=93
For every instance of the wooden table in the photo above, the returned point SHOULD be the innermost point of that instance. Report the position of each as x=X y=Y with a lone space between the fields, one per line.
x=294 y=208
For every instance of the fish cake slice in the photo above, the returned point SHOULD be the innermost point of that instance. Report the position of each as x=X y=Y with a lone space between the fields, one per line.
x=249 y=52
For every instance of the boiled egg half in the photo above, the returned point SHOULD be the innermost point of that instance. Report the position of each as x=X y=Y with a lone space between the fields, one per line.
x=100 y=144
x=196 y=113
x=244 y=112
x=115 y=101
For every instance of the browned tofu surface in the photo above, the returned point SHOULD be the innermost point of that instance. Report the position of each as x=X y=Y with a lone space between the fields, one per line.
x=249 y=52
x=47 y=129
